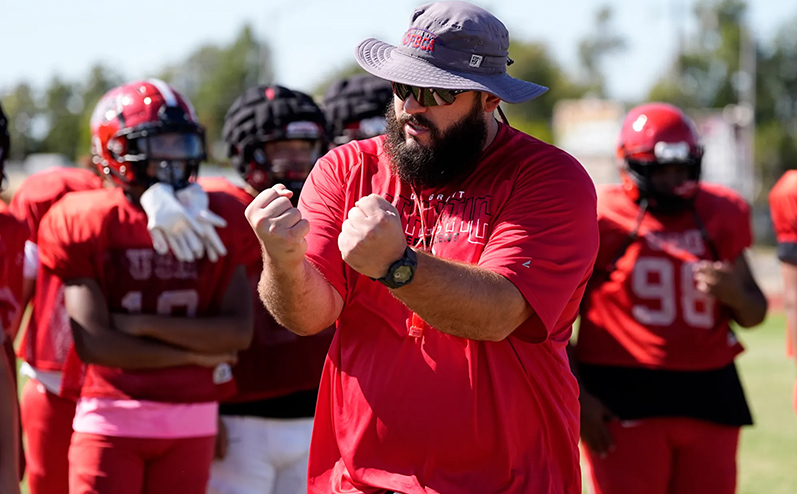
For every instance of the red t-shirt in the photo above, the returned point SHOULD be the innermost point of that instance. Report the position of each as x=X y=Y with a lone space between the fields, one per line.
x=436 y=413
x=278 y=362
x=13 y=234
x=101 y=235
x=648 y=313
x=47 y=337
x=783 y=208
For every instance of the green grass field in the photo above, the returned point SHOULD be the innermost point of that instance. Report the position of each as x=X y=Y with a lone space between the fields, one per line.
x=768 y=452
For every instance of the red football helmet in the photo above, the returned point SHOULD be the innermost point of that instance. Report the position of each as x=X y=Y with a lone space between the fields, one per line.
x=657 y=134
x=146 y=124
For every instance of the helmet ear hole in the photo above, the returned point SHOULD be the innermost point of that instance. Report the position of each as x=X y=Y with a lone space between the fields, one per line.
x=117 y=147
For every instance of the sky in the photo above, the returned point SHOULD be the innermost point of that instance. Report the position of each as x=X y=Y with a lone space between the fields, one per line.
x=310 y=39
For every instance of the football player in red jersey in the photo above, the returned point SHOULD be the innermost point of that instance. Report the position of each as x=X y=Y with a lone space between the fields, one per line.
x=355 y=108
x=156 y=333
x=783 y=209
x=12 y=241
x=274 y=135
x=46 y=415
x=661 y=400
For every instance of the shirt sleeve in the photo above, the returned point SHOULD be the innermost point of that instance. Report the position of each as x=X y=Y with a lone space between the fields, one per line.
x=546 y=238
x=322 y=203
x=68 y=242
x=783 y=208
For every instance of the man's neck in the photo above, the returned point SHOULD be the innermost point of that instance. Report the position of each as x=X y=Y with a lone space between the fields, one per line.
x=492 y=131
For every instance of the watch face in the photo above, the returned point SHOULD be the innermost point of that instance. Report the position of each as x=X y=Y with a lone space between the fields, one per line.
x=402 y=274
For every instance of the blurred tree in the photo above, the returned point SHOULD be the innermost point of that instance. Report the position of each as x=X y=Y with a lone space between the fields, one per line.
x=213 y=77
x=776 y=106
x=595 y=47
x=22 y=111
x=703 y=75
x=101 y=79
x=707 y=75
x=533 y=62
x=348 y=70
x=62 y=107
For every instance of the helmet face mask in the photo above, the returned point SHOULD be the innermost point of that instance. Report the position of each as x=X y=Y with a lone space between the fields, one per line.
x=660 y=158
x=146 y=132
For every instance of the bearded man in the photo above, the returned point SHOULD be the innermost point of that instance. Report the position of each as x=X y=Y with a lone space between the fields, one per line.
x=452 y=255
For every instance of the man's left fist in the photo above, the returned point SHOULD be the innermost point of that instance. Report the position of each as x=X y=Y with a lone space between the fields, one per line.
x=372 y=237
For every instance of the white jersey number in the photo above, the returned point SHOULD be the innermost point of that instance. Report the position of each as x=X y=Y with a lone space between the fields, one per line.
x=167 y=302
x=654 y=278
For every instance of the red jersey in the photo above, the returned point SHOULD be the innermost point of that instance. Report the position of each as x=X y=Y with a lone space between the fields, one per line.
x=427 y=412
x=278 y=362
x=647 y=312
x=783 y=209
x=47 y=336
x=37 y=194
x=13 y=234
x=101 y=235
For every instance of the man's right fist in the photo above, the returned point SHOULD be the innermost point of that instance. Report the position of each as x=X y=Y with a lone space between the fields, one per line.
x=278 y=224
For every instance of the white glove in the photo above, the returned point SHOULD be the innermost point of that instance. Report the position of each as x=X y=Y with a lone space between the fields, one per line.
x=170 y=225
x=195 y=201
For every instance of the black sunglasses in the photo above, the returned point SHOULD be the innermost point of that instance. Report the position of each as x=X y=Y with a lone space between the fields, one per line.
x=427 y=96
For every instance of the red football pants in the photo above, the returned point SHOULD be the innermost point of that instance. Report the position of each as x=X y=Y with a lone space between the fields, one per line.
x=12 y=363
x=47 y=424
x=667 y=456
x=127 y=465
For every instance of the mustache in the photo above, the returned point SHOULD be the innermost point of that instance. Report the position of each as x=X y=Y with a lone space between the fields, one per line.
x=418 y=120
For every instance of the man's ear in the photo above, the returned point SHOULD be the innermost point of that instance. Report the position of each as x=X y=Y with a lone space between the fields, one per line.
x=490 y=102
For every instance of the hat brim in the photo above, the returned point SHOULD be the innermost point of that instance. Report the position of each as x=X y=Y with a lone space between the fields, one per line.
x=383 y=60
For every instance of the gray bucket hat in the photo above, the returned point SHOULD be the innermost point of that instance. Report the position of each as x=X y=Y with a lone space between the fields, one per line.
x=449 y=45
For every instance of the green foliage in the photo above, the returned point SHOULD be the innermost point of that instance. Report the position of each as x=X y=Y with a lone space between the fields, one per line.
x=595 y=47
x=213 y=77
x=22 y=111
x=533 y=62
x=348 y=70
x=703 y=76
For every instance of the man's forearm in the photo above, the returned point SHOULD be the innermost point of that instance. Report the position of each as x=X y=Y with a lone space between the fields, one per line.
x=749 y=309
x=299 y=297
x=214 y=334
x=464 y=300
x=114 y=349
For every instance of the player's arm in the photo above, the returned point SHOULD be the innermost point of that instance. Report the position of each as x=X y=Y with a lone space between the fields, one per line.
x=97 y=342
x=229 y=331
x=733 y=285
x=9 y=429
x=789 y=271
x=750 y=309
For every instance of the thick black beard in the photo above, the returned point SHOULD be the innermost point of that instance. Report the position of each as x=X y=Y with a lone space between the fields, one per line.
x=449 y=158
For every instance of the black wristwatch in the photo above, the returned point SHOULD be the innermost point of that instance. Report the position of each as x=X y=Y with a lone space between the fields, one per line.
x=400 y=272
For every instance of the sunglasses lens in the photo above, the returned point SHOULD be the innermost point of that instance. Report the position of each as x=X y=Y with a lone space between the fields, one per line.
x=401 y=90
x=425 y=96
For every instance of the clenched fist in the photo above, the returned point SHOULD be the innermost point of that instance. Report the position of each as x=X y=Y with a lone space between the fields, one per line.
x=719 y=280
x=278 y=225
x=372 y=237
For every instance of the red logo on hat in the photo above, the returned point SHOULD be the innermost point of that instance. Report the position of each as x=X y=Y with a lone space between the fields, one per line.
x=419 y=39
